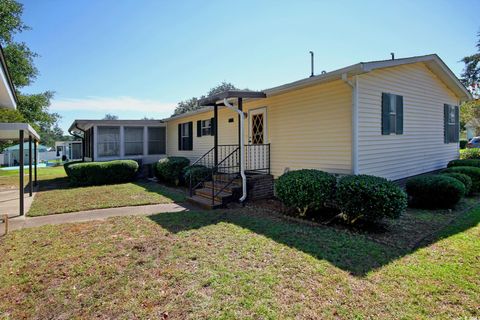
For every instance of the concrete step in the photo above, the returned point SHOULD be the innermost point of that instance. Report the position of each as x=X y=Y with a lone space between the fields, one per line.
x=204 y=202
x=222 y=196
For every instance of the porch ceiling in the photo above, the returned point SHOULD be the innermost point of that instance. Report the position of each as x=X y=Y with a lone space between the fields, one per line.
x=213 y=99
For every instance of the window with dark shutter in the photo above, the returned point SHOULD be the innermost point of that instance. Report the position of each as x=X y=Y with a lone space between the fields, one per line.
x=451 y=122
x=392 y=114
x=185 y=136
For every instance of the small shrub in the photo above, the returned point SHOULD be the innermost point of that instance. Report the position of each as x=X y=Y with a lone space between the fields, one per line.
x=369 y=198
x=472 y=172
x=170 y=169
x=434 y=191
x=463 y=144
x=464 y=163
x=197 y=173
x=101 y=173
x=67 y=165
x=305 y=189
x=473 y=153
x=463 y=178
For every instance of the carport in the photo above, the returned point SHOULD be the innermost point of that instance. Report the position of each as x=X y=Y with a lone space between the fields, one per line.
x=22 y=132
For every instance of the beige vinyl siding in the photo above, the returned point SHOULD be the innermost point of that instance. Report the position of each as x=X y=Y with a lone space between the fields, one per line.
x=307 y=128
x=421 y=148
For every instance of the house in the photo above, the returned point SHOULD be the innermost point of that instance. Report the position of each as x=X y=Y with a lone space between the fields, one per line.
x=71 y=150
x=17 y=132
x=141 y=140
x=472 y=127
x=391 y=118
x=11 y=154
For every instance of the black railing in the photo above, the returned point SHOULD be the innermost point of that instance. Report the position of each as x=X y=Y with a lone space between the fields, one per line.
x=226 y=168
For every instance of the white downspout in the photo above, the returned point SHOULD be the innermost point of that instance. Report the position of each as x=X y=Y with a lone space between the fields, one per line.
x=354 y=86
x=242 y=143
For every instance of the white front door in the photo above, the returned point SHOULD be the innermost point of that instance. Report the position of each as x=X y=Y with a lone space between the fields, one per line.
x=256 y=152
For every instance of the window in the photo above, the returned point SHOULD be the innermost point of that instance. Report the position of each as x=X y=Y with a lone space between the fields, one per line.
x=451 y=124
x=156 y=140
x=206 y=127
x=392 y=114
x=108 y=141
x=185 y=139
x=133 y=141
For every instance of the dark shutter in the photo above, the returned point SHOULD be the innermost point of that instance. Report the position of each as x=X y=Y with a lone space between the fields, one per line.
x=190 y=136
x=457 y=124
x=199 y=128
x=445 y=123
x=399 y=118
x=385 y=113
x=179 y=136
x=213 y=126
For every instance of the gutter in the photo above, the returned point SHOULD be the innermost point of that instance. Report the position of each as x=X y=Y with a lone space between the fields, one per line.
x=354 y=85
x=241 y=148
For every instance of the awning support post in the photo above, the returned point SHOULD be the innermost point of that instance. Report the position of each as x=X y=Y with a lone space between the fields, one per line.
x=30 y=182
x=35 y=159
x=215 y=137
x=21 y=162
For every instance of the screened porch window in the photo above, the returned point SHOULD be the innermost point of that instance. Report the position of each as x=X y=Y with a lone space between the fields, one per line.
x=133 y=141
x=156 y=140
x=108 y=141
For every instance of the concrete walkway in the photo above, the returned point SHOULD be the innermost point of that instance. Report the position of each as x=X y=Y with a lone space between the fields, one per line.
x=90 y=215
x=10 y=202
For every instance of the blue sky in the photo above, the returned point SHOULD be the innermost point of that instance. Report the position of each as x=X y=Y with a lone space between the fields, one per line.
x=139 y=58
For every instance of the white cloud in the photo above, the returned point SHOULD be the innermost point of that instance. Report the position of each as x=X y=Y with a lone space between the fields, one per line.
x=112 y=104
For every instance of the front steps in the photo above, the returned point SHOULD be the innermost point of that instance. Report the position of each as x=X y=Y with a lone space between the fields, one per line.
x=225 y=191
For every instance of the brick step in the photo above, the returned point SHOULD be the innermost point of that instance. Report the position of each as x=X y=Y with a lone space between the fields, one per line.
x=223 y=185
x=222 y=197
x=226 y=177
x=204 y=202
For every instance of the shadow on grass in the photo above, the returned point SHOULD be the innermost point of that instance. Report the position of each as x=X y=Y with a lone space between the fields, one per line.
x=354 y=253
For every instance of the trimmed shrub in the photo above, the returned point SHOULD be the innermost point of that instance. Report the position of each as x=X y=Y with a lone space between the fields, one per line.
x=369 y=198
x=463 y=144
x=472 y=172
x=473 y=153
x=305 y=190
x=67 y=165
x=463 y=178
x=170 y=170
x=197 y=173
x=101 y=173
x=434 y=191
x=464 y=163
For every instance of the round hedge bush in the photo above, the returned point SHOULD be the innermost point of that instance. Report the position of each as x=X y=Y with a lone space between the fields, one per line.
x=197 y=173
x=434 y=191
x=305 y=189
x=170 y=170
x=369 y=198
x=464 y=163
x=463 y=178
x=66 y=166
x=101 y=173
x=472 y=172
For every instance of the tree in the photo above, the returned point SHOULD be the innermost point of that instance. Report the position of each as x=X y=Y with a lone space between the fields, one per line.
x=471 y=72
x=109 y=116
x=192 y=103
x=20 y=62
x=469 y=111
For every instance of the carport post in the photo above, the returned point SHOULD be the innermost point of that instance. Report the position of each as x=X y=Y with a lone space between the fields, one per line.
x=21 y=160
x=30 y=165
x=35 y=159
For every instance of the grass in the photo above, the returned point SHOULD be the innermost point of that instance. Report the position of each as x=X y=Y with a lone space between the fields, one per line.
x=236 y=264
x=9 y=178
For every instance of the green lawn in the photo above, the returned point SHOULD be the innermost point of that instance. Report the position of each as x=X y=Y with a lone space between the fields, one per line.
x=10 y=179
x=238 y=264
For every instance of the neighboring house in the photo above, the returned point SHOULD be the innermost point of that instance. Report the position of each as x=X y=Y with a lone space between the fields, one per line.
x=12 y=154
x=392 y=118
x=142 y=140
x=72 y=150
x=472 y=128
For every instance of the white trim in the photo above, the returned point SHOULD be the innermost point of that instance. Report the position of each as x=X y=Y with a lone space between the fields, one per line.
x=355 y=114
x=5 y=82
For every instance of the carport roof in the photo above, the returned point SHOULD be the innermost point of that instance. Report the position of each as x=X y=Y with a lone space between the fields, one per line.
x=10 y=131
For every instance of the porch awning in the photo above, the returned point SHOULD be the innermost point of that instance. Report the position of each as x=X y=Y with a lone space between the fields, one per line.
x=9 y=131
x=214 y=99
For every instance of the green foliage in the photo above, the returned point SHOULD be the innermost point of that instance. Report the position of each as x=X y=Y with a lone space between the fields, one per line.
x=305 y=189
x=472 y=172
x=20 y=64
x=109 y=116
x=435 y=191
x=470 y=110
x=197 y=173
x=102 y=173
x=464 y=163
x=471 y=72
x=463 y=178
x=10 y=20
x=463 y=144
x=67 y=165
x=192 y=103
x=170 y=169
x=473 y=153
x=369 y=198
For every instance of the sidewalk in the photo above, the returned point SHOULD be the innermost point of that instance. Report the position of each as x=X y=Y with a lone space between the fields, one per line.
x=90 y=215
